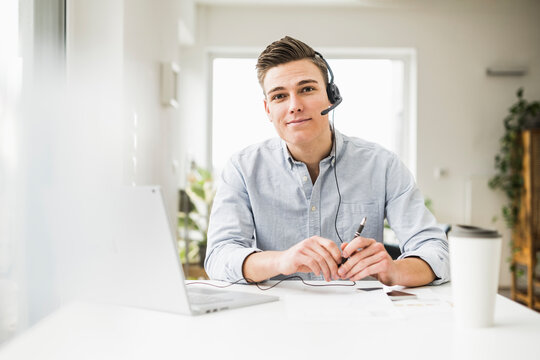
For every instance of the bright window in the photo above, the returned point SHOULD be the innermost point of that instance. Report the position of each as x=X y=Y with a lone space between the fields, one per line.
x=373 y=108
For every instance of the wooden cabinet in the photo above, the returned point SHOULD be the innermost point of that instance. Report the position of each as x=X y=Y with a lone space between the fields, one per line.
x=526 y=233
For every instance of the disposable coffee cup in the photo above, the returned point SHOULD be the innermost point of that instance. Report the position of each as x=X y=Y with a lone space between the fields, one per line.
x=475 y=255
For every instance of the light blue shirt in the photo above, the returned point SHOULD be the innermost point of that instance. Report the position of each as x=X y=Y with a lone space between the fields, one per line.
x=266 y=201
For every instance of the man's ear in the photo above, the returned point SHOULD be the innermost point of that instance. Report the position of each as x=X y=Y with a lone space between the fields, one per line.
x=266 y=108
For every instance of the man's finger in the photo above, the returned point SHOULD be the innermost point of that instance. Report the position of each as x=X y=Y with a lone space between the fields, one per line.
x=358 y=265
x=331 y=248
x=368 y=251
x=311 y=263
x=353 y=257
x=355 y=244
x=329 y=251
x=370 y=270
x=320 y=255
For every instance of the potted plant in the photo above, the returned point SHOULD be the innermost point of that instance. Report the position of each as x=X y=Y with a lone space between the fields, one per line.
x=509 y=160
x=195 y=206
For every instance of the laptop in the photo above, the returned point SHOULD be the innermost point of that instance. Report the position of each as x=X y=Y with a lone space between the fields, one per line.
x=128 y=256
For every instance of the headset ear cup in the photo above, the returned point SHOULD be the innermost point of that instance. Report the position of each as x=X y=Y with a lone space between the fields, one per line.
x=333 y=93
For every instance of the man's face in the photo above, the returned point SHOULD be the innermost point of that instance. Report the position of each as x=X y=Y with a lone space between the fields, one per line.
x=295 y=96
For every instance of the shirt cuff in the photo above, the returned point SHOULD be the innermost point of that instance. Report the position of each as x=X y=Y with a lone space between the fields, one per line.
x=233 y=267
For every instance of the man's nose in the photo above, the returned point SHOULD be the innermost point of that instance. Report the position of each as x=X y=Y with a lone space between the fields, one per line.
x=295 y=104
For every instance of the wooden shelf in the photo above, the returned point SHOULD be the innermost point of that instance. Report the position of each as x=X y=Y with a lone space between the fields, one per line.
x=522 y=258
x=527 y=226
x=195 y=272
x=523 y=298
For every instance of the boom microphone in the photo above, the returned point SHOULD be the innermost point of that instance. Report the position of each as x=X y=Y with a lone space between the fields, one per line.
x=332 y=107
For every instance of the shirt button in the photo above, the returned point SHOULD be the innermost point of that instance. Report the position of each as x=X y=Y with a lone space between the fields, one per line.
x=313 y=208
x=304 y=178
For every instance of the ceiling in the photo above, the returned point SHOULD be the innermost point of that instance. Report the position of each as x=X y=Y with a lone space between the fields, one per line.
x=333 y=3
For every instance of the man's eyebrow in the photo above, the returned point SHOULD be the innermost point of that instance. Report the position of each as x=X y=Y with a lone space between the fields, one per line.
x=277 y=88
x=308 y=81
x=300 y=83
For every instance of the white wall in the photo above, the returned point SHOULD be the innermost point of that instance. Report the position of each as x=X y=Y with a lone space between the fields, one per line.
x=151 y=37
x=460 y=109
x=10 y=85
x=75 y=137
x=114 y=53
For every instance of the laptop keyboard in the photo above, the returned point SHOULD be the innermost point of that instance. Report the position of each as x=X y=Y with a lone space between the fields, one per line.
x=201 y=299
x=209 y=296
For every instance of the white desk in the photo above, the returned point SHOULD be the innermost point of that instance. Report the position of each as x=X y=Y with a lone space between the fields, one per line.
x=307 y=323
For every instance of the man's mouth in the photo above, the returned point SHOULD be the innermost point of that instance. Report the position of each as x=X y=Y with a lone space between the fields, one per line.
x=298 y=121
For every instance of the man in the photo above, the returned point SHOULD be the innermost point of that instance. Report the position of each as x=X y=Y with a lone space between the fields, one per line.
x=291 y=205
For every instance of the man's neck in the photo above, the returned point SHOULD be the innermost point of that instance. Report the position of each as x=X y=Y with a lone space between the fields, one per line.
x=311 y=154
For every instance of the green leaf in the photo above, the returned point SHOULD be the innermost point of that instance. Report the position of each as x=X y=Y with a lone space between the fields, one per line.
x=204 y=174
x=509 y=160
x=198 y=190
x=190 y=222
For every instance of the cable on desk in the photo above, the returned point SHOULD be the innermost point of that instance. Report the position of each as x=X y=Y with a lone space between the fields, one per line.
x=258 y=284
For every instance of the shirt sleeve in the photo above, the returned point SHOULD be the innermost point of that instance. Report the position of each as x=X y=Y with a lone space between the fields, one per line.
x=231 y=229
x=417 y=230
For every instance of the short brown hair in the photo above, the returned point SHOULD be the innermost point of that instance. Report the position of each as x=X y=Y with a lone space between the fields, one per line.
x=286 y=50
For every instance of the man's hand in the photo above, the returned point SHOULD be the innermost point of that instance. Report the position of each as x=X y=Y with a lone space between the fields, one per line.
x=315 y=254
x=322 y=256
x=367 y=257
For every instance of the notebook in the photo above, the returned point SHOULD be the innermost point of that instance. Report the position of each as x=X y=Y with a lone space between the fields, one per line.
x=130 y=257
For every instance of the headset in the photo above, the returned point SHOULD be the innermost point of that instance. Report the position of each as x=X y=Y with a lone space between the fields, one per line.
x=335 y=99
x=331 y=89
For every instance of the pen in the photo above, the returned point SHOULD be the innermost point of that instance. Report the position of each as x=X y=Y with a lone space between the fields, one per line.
x=356 y=234
x=361 y=227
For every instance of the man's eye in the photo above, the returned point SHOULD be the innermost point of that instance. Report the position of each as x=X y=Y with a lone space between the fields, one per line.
x=308 y=89
x=278 y=97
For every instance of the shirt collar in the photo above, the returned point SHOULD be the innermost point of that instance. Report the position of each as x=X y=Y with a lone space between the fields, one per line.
x=286 y=154
x=338 y=142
